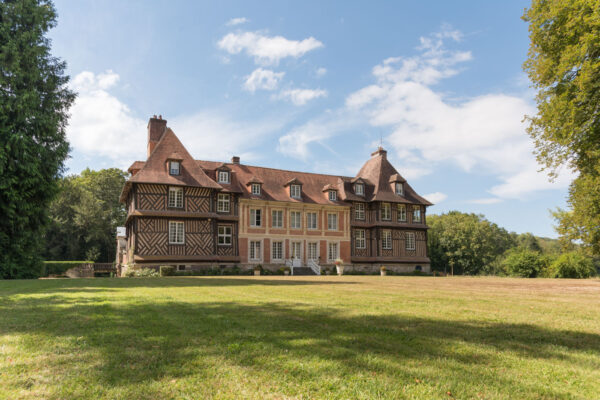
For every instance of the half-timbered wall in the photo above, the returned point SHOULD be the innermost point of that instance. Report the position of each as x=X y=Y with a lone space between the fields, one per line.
x=373 y=215
x=374 y=246
x=155 y=198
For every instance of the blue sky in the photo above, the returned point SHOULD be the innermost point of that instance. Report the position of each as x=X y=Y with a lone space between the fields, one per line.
x=315 y=86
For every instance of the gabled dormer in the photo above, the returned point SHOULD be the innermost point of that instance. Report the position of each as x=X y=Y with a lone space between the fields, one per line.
x=223 y=173
x=397 y=183
x=295 y=188
x=255 y=185
x=331 y=191
x=174 y=164
x=358 y=186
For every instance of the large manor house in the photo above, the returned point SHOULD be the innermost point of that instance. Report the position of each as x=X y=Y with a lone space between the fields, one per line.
x=196 y=214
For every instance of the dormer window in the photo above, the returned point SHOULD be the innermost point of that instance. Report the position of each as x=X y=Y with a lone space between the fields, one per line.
x=399 y=189
x=223 y=177
x=174 y=167
x=359 y=189
x=295 y=191
x=256 y=189
x=332 y=195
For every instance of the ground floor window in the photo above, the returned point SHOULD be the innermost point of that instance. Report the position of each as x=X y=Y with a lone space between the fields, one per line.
x=176 y=234
x=386 y=239
x=333 y=251
x=312 y=251
x=277 y=253
x=224 y=235
x=410 y=241
x=255 y=250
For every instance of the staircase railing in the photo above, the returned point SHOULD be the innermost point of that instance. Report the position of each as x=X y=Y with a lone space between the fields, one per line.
x=314 y=266
x=290 y=263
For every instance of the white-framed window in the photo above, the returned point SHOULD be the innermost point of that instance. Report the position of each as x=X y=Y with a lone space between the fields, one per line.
x=311 y=220
x=399 y=189
x=223 y=177
x=386 y=239
x=176 y=232
x=277 y=251
x=174 y=167
x=295 y=220
x=386 y=211
x=359 y=189
x=256 y=189
x=224 y=235
x=410 y=241
x=359 y=237
x=277 y=218
x=359 y=211
x=255 y=217
x=313 y=250
x=332 y=195
x=254 y=252
x=176 y=197
x=416 y=214
x=295 y=191
x=332 y=222
x=402 y=212
x=223 y=202
x=332 y=251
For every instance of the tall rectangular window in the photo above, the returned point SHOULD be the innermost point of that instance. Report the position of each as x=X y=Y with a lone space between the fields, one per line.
x=256 y=189
x=313 y=251
x=332 y=195
x=410 y=241
x=399 y=189
x=295 y=191
x=176 y=234
x=311 y=220
x=416 y=214
x=386 y=239
x=277 y=218
x=295 y=220
x=174 y=167
x=255 y=250
x=224 y=235
x=255 y=217
x=386 y=211
x=223 y=177
x=359 y=211
x=401 y=212
x=332 y=222
x=359 y=237
x=277 y=253
x=175 y=197
x=359 y=189
x=332 y=251
x=223 y=202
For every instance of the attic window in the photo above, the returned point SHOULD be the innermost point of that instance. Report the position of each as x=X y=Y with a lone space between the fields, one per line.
x=332 y=195
x=174 y=167
x=256 y=189
x=223 y=177
x=399 y=189
x=295 y=191
x=359 y=189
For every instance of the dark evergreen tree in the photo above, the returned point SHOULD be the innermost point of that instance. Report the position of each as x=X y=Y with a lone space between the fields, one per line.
x=34 y=104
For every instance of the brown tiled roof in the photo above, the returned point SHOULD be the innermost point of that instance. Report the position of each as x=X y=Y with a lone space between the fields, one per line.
x=137 y=165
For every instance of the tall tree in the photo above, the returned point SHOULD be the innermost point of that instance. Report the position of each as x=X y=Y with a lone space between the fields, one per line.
x=34 y=103
x=564 y=66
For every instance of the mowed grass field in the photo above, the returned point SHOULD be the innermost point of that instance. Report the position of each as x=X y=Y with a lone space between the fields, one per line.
x=350 y=337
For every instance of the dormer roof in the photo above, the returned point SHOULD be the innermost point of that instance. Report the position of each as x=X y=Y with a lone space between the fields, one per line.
x=293 y=181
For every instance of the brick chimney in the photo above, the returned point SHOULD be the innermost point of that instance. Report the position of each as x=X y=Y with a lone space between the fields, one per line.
x=156 y=128
x=380 y=152
x=235 y=160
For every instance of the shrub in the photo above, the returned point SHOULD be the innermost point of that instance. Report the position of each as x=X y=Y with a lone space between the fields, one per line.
x=572 y=265
x=60 y=267
x=523 y=263
x=167 y=270
x=141 y=273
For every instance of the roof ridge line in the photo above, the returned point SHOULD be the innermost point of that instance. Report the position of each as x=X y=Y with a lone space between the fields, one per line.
x=279 y=169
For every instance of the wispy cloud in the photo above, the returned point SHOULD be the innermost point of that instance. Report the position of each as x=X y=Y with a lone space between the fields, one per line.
x=237 y=21
x=436 y=197
x=300 y=97
x=267 y=50
x=263 y=79
x=320 y=72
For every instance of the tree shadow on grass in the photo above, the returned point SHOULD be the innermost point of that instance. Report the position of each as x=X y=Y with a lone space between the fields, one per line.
x=145 y=342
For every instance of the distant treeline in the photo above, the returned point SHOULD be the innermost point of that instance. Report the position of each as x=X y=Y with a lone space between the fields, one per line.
x=469 y=244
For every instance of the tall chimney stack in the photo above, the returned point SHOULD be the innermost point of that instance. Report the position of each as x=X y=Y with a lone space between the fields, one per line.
x=156 y=128
x=235 y=160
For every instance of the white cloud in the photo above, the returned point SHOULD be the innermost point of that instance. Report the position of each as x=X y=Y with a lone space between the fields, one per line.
x=486 y=200
x=436 y=197
x=102 y=125
x=267 y=50
x=321 y=72
x=263 y=79
x=237 y=21
x=300 y=97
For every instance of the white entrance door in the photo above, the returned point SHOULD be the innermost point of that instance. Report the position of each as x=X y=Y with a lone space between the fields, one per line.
x=296 y=254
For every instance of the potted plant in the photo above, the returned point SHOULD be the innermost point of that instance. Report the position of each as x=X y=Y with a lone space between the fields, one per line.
x=383 y=271
x=286 y=270
x=257 y=270
x=339 y=266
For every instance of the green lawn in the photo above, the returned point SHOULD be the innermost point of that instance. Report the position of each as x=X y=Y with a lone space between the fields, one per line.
x=348 y=337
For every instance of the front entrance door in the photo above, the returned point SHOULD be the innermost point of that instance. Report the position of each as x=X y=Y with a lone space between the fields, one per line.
x=296 y=255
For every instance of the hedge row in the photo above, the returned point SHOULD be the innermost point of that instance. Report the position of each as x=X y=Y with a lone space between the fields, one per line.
x=60 y=267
